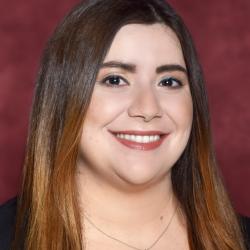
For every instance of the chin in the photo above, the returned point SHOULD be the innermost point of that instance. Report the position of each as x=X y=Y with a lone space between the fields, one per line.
x=139 y=179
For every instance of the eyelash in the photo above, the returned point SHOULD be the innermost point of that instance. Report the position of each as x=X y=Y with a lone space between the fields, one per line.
x=117 y=77
x=112 y=77
x=172 y=79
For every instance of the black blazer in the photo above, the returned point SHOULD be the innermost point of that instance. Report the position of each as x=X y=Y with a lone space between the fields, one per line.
x=7 y=222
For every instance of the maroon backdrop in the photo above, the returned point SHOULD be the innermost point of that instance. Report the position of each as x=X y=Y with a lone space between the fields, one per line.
x=221 y=33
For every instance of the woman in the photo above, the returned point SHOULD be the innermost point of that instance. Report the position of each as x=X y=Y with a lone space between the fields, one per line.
x=119 y=153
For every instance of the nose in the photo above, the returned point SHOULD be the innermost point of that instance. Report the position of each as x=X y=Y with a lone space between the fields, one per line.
x=145 y=105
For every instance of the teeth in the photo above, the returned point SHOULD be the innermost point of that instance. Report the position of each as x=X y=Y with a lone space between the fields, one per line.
x=139 y=138
x=126 y=137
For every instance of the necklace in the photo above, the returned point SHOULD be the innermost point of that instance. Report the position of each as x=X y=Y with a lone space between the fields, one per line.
x=128 y=245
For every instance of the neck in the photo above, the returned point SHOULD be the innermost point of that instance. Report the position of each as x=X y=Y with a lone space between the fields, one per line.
x=104 y=203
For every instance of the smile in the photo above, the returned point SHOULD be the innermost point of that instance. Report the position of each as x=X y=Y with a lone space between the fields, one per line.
x=140 y=140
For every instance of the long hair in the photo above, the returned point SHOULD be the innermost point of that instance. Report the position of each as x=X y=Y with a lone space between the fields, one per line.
x=48 y=212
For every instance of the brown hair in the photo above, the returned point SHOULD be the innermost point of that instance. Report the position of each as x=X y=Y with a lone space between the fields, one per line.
x=48 y=212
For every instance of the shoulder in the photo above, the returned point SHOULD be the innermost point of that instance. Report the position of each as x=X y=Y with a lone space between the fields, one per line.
x=245 y=223
x=7 y=222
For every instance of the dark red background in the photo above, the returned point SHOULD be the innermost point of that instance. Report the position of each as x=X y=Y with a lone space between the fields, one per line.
x=222 y=35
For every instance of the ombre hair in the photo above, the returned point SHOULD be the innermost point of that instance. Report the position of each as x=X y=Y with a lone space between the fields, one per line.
x=48 y=208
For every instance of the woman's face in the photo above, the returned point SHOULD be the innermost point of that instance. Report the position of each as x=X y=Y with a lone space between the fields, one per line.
x=140 y=116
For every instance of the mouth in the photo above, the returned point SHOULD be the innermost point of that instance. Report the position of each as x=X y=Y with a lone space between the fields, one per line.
x=140 y=140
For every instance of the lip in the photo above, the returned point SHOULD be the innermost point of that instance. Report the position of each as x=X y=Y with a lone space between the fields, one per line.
x=138 y=145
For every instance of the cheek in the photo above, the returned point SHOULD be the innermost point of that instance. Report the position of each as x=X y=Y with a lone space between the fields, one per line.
x=104 y=107
x=179 y=108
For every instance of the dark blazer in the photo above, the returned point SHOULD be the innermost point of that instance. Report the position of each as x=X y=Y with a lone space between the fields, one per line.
x=7 y=222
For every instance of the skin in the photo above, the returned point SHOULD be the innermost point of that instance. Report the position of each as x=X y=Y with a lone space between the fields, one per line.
x=125 y=191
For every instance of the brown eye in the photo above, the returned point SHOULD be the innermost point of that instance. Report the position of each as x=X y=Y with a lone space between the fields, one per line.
x=171 y=82
x=114 y=81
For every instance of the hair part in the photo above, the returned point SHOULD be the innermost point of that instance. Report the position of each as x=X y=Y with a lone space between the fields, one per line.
x=48 y=213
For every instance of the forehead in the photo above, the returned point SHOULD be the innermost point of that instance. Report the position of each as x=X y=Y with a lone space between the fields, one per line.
x=146 y=44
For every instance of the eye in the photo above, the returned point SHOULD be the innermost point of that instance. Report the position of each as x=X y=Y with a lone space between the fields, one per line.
x=114 y=81
x=171 y=82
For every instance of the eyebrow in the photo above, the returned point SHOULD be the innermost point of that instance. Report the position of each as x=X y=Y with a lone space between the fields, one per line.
x=132 y=67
